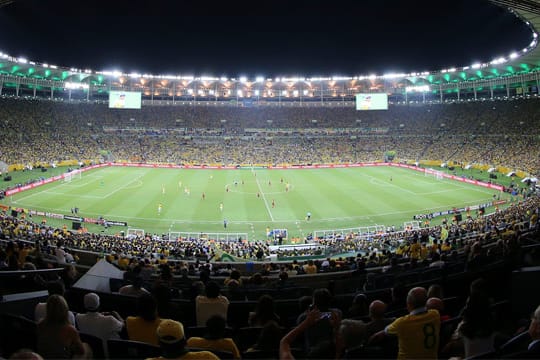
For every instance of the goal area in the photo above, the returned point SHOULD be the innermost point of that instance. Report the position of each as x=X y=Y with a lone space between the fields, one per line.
x=73 y=174
x=439 y=175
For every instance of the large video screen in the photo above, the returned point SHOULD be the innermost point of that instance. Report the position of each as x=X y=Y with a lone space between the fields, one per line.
x=124 y=100
x=372 y=101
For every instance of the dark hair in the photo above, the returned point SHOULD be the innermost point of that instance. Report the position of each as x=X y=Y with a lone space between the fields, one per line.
x=55 y=288
x=322 y=299
x=215 y=327
x=264 y=311
x=147 y=307
x=212 y=289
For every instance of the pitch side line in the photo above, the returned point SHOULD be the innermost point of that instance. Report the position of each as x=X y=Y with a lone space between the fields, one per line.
x=126 y=185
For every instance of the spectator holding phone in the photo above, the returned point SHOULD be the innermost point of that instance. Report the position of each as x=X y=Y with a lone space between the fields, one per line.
x=329 y=318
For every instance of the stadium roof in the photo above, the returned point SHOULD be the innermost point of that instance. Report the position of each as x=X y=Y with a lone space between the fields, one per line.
x=523 y=61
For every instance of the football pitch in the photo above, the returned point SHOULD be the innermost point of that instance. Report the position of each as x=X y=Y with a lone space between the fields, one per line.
x=250 y=201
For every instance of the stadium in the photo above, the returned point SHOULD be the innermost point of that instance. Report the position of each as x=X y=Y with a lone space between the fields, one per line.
x=273 y=192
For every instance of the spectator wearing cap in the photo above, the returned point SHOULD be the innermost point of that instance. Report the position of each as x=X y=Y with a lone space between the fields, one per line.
x=215 y=339
x=172 y=341
x=103 y=325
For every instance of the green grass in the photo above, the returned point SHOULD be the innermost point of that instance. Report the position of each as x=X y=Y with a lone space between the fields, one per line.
x=337 y=198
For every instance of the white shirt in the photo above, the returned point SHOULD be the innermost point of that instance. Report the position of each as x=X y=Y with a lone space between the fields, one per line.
x=60 y=255
x=102 y=326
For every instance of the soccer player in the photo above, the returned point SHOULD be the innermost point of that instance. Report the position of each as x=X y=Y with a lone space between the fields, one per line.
x=220 y=206
x=308 y=216
x=163 y=189
x=159 y=208
x=287 y=187
x=273 y=203
x=225 y=223
x=203 y=196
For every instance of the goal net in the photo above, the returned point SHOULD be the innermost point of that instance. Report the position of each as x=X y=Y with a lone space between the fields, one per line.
x=434 y=173
x=135 y=233
x=74 y=174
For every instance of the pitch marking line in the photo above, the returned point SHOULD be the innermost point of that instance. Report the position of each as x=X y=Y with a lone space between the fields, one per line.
x=125 y=186
x=264 y=199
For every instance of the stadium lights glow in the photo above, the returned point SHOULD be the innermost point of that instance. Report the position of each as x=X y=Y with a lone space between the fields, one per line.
x=134 y=75
x=513 y=55
x=53 y=66
x=45 y=65
x=223 y=78
x=476 y=66
x=72 y=85
x=419 y=88
x=239 y=93
x=32 y=62
x=259 y=79
x=243 y=79
x=497 y=61
x=22 y=60
x=256 y=92
x=306 y=92
x=392 y=76
x=372 y=77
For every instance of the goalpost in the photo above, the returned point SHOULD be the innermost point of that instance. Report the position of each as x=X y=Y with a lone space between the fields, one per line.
x=74 y=174
x=439 y=175
x=132 y=232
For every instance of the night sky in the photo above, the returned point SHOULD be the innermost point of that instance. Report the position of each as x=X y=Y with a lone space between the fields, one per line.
x=260 y=38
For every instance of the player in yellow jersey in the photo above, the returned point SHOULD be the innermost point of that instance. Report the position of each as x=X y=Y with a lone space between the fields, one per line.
x=159 y=208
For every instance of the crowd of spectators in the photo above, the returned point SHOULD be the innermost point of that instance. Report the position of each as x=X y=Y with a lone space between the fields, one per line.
x=494 y=133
